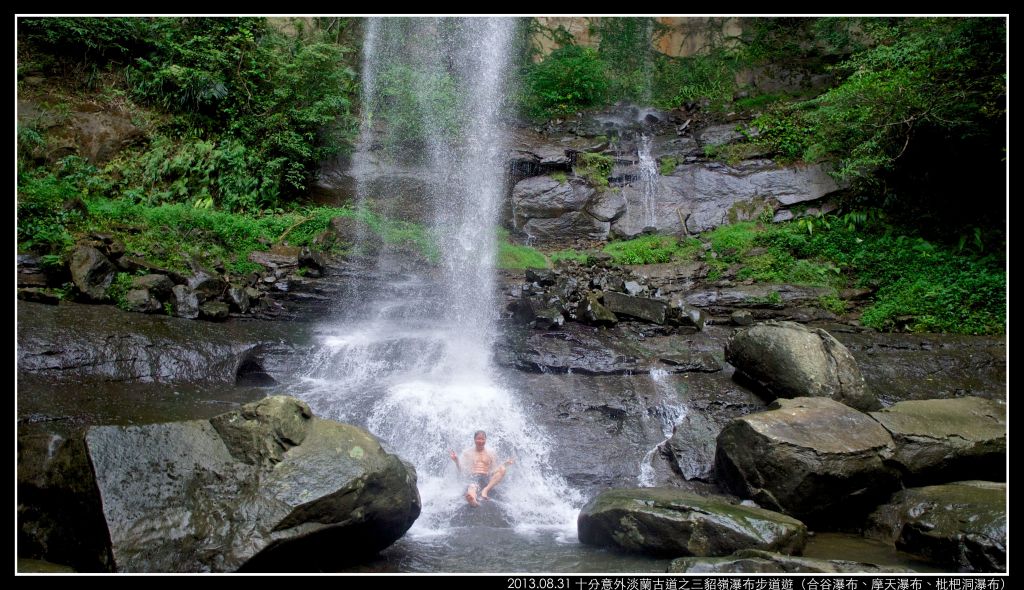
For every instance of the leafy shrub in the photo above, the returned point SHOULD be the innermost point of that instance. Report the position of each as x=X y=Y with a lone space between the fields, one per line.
x=652 y=250
x=569 y=79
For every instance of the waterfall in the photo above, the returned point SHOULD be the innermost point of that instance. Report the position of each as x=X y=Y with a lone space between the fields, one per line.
x=648 y=179
x=414 y=365
x=669 y=415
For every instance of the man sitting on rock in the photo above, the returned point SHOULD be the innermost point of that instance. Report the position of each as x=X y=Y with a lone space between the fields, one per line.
x=479 y=468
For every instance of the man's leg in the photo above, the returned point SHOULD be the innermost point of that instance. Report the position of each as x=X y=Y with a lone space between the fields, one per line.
x=499 y=474
x=471 y=495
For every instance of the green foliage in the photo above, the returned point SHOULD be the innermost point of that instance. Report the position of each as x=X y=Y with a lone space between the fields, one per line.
x=514 y=256
x=784 y=133
x=667 y=165
x=690 y=79
x=559 y=176
x=194 y=170
x=758 y=101
x=732 y=241
x=237 y=82
x=569 y=254
x=396 y=231
x=625 y=48
x=119 y=288
x=732 y=153
x=46 y=211
x=652 y=249
x=921 y=285
x=417 y=104
x=940 y=73
x=569 y=79
x=832 y=303
x=595 y=168
x=85 y=37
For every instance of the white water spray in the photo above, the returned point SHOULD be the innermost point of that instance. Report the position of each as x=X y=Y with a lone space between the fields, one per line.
x=415 y=366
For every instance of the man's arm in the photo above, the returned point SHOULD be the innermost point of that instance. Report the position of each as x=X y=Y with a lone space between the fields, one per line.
x=455 y=458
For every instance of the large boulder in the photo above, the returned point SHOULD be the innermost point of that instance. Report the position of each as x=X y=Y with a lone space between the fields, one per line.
x=264 y=487
x=960 y=525
x=791 y=360
x=643 y=308
x=544 y=197
x=59 y=517
x=692 y=445
x=753 y=561
x=92 y=272
x=665 y=521
x=814 y=458
x=575 y=225
x=943 y=440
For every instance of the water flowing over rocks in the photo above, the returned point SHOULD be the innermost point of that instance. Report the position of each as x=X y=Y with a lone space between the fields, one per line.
x=961 y=525
x=694 y=195
x=266 y=486
x=673 y=522
x=790 y=360
x=943 y=440
x=813 y=458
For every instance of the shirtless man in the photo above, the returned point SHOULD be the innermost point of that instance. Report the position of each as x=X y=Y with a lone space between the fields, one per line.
x=479 y=468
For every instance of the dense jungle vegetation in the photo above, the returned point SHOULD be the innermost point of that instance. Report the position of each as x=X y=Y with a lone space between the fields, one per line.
x=238 y=113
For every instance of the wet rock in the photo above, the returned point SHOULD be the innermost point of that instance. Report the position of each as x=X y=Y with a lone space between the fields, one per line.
x=31 y=273
x=741 y=317
x=59 y=516
x=542 y=277
x=592 y=312
x=633 y=288
x=814 y=458
x=790 y=360
x=752 y=561
x=207 y=285
x=567 y=228
x=238 y=298
x=606 y=206
x=141 y=301
x=681 y=314
x=313 y=262
x=266 y=487
x=719 y=135
x=960 y=525
x=544 y=197
x=691 y=361
x=642 y=308
x=214 y=310
x=948 y=440
x=185 y=303
x=692 y=445
x=562 y=352
x=92 y=272
x=663 y=521
x=38 y=295
x=158 y=285
x=129 y=263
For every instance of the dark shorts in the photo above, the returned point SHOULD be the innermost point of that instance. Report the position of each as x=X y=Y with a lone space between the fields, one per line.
x=479 y=479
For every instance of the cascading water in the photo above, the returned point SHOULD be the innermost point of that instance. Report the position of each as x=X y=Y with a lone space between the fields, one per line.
x=648 y=179
x=414 y=364
x=670 y=415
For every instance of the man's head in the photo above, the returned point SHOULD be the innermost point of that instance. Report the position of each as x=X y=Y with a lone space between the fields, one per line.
x=480 y=439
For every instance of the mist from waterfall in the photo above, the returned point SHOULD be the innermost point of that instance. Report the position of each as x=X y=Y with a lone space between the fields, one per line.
x=414 y=364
